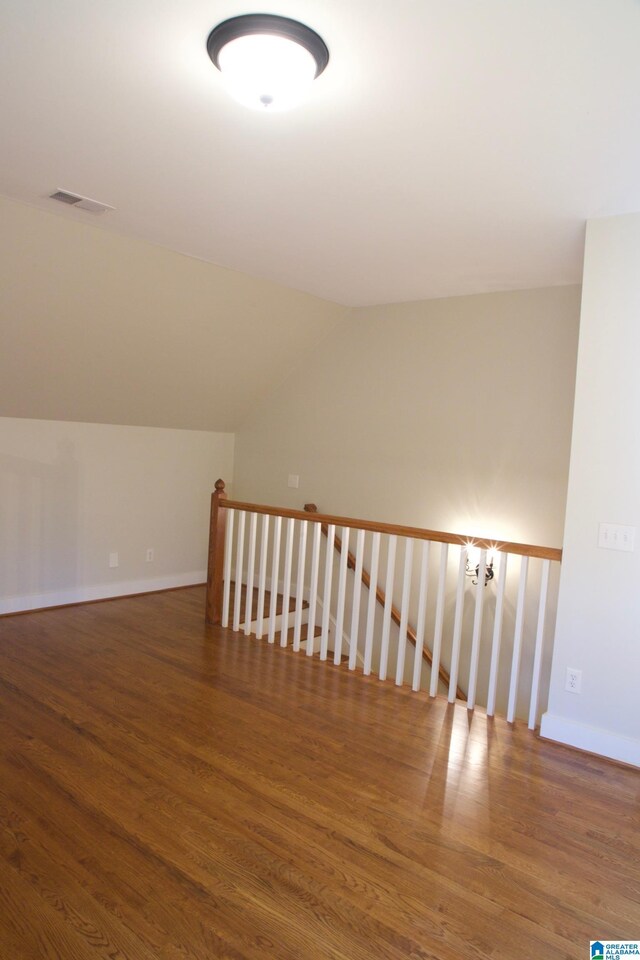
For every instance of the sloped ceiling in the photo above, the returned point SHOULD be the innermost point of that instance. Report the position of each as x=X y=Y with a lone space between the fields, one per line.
x=102 y=328
x=450 y=147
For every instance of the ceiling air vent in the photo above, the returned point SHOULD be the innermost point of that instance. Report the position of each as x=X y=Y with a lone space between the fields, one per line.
x=81 y=203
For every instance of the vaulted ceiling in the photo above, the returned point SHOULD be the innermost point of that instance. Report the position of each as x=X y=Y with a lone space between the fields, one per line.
x=450 y=147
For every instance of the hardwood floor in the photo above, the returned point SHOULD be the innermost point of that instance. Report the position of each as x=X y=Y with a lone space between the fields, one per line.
x=171 y=791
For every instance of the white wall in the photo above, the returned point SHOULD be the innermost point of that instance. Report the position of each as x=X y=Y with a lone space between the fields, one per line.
x=598 y=626
x=71 y=493
x=449 y=414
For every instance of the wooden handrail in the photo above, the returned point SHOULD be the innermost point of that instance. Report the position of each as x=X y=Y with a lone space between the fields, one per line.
x=215 y=572
x=396 y=615
x=418 y=533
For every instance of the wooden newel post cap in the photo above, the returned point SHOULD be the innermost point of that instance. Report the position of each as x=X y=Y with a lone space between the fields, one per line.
x=310 y=508
x=219 y=485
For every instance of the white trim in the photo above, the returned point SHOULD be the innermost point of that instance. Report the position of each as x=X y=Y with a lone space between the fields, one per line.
x=294 y=592
x=268 y=581
x=100 y=591
x=594 y=739
x=346 y=640
x=279 y=621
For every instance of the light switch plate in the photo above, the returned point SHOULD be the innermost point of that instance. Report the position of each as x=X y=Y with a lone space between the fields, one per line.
x=615 y=536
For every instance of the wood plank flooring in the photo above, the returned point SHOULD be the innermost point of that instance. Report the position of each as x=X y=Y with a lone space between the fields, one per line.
x=171 y=791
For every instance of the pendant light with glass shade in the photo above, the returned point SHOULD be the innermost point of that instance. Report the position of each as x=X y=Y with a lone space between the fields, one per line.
x=267 y=62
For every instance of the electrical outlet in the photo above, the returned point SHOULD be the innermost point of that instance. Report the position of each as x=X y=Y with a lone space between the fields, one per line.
x=113 y=559
x=149 y=554
x=573 y=683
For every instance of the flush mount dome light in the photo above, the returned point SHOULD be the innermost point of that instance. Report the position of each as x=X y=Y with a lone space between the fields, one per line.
x=267 y=62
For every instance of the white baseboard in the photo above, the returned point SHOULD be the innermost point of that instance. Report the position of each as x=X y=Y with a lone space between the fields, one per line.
x=99 y=591
x=593 y=739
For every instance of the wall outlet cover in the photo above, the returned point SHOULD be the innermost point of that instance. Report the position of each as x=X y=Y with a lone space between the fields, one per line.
x=573 y=682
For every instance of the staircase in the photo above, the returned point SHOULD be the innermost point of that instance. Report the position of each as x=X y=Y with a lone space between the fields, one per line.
x=250 y=627
x=396 y=614
x=470 y=619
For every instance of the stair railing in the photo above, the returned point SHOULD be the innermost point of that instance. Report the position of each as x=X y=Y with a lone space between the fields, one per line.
x=396 y=615
x=488 y=635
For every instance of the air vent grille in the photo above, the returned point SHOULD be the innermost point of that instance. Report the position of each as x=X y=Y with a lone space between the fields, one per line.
x=65 y=197
x=82 y=203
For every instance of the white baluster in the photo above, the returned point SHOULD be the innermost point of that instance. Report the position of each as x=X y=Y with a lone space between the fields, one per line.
x=239 y=558
x=228 y=550
x=437 y=630
x=342 y=589
x=357 y=590
x=422 y=614
x=497 y=636
x=275 y=573
x=372 y=604
x=457 y=626
x=248 y=607
x=517 y=640
x=404 y=611
x=477 y=630
x=326 y=599
x=537 y=660
x=286 y=591
x=386 y=616
x=313 y=594
x=302 y=555
x=262 y=575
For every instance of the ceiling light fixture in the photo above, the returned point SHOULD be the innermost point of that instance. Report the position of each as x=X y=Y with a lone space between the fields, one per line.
x=267 y=62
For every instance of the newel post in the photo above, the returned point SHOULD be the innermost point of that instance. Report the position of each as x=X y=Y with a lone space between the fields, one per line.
x=216 y=555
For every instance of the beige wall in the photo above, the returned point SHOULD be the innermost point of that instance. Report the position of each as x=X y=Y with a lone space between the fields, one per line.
x=98 y=327
x=71 y=493
x=599 y=603
x=451 y=414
